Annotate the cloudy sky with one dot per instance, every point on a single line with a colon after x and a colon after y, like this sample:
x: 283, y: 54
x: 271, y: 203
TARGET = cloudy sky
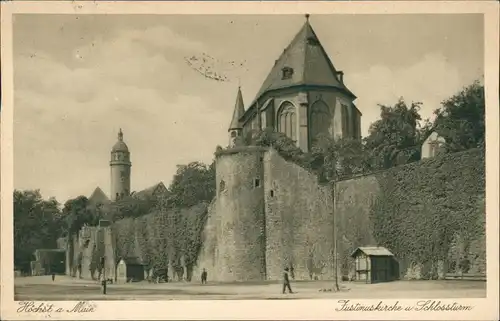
x: 78, y: 79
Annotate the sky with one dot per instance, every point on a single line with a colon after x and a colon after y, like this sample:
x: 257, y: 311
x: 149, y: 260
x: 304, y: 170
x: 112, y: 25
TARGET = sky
x: 78, y: 79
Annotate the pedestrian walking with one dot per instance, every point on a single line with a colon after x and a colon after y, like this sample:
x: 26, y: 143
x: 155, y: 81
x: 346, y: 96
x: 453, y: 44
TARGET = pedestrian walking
x: 286, y: 282
x: 204, y: 276
x: 53, y: 276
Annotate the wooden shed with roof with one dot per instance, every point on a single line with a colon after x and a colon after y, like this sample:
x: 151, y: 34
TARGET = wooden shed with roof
x: 130, y: 269
x: 374, y: 265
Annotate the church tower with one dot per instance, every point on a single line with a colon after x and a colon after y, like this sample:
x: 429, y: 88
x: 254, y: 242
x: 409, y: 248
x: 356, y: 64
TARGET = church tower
x: 120, y: 169
x: 235, y: 128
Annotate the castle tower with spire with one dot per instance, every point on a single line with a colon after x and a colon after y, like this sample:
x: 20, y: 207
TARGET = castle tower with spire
x: 235, y: 128
x: 303, y: 96
x: 120, y: 169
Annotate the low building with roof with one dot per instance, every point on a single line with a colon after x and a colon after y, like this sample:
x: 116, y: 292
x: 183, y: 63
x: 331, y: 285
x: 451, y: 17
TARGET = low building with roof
x: 432, y: 145
x: 130, y: 269
x: 374, y: 264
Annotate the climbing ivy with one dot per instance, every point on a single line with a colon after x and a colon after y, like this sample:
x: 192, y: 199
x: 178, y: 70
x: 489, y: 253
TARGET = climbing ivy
x: 162, y: 238
x: 422, y: 206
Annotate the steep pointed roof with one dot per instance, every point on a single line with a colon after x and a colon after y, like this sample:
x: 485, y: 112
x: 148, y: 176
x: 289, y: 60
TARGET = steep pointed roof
x: 309, y: 63
x: 98, y: 196
x: 239, y: 110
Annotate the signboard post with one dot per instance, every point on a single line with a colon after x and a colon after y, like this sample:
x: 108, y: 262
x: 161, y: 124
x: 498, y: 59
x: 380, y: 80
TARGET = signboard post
x: 104, y: 282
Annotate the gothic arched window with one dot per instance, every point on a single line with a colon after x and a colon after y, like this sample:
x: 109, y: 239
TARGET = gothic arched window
x: 320, y: 119
x: 354, y: 122
x: 287, y: 120
x: 345, y: 121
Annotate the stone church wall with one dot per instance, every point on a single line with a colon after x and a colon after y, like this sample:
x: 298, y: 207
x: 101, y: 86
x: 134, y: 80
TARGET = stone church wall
x: 333, y: 100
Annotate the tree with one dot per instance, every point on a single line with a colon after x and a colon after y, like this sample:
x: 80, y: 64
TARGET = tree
x: 394, y: 139
x: 333, y: 159
x: 192, y: 184
x: 78, y: 212
x: 131, y: 207
x: 37, y: 224
x: 285, y: 146
x: 460, y: 120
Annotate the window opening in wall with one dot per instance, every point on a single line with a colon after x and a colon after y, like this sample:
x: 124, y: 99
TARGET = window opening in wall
x: 222, y: 186
x: 320, y: 120
x: 345, y: 121
x: 262, y: 159
x: 287, y: 120
x: 287, y: 73
x: 257, y: 182
x: 272, y: 193
x: 313, y: 41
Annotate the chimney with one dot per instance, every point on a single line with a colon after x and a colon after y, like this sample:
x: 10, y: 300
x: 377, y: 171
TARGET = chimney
x: 340, y: 74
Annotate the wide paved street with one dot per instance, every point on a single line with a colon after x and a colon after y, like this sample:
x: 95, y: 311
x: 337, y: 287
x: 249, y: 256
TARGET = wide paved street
x: 65, y: 288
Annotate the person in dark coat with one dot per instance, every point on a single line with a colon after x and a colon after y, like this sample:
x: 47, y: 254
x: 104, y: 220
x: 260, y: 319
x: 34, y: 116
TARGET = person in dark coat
x: 53, y: 276
x: 286, y: 281
x: 204, y: 276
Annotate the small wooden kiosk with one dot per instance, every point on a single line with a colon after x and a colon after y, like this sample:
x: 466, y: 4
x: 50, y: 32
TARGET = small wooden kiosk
x: 374, y: 265
x: 129, y: 269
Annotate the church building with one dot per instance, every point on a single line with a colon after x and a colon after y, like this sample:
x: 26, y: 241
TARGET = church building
x: 303, y: 96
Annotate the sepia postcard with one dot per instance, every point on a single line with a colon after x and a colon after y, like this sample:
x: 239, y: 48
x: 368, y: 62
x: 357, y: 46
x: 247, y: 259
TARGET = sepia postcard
x: 249, y: 160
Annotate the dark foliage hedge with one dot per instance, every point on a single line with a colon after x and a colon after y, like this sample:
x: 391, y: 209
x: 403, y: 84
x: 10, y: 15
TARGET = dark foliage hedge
x: 162, y: 237
x: 423, y: 206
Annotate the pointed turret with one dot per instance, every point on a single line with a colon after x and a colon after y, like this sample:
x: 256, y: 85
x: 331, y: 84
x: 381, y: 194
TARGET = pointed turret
x: 239, y: 110
x: 235, y: 128
x: 303, y: 62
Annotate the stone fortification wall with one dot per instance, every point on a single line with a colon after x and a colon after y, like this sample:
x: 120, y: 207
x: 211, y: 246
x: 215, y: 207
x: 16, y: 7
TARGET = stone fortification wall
x: 299, y: 224
x: 354, y: 199
x: 269, y: 213
x: 239, y: 205
x: 208, y: 256
x: 91, y: 244
x: 430, y: 214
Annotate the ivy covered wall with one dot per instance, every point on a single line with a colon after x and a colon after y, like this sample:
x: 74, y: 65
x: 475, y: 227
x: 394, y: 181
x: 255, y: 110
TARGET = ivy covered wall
x: 166, y: 241
x: 429, y: 214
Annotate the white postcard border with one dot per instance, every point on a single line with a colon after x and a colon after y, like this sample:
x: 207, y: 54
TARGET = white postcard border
x: 252, y: 309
